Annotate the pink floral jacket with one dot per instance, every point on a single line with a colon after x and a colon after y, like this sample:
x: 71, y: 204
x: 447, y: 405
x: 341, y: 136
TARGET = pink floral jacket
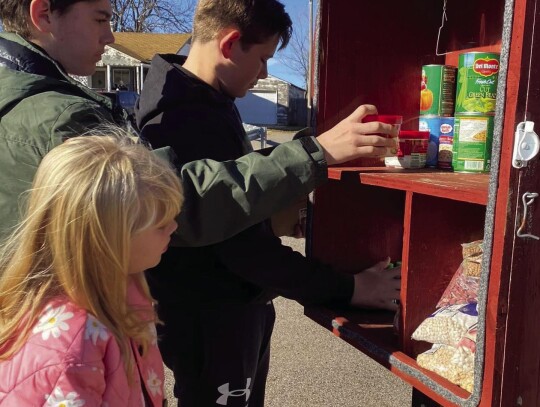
x: 71, y: 359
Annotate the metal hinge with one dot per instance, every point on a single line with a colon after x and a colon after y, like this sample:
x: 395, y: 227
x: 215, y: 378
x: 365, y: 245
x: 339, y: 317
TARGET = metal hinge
x: 526, y: 144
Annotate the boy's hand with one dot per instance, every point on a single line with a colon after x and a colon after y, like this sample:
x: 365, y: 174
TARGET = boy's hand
x: 377, y: 287
x: 351, y: 138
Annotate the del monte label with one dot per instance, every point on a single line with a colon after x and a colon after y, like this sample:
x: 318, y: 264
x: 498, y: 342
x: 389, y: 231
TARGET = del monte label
x: 486, y: 67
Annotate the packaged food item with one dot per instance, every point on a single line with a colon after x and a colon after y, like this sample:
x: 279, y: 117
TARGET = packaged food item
x: 477, y: 79
x: 454, y: 364
x: 444, y: 160
x: 473, y: 138
x: 469, y: 339
x: 472, y: 248
x: 462, y: 289
x: 395, y: 121
x: 472, y: 258
x: 437, y: 126
x: 412, y: 150
x: 448, y: 324
x: 437, y: 90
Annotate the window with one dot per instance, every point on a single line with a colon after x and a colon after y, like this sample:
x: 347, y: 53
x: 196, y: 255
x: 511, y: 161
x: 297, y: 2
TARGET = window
x: 121, y: 79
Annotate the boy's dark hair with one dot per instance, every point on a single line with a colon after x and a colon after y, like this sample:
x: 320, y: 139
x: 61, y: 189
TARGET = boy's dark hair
x: 15, y: 14
x: 257, y: 20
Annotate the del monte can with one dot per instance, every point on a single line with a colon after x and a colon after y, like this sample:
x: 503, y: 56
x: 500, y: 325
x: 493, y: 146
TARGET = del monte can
x: 478, y: 74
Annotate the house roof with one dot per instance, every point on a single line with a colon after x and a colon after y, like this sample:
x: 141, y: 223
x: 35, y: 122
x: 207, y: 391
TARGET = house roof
x: 143, y: 46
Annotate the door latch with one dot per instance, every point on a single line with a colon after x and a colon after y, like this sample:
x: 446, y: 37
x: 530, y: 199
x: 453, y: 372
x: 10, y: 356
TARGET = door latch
x: 526, y: 144
x: 527, y: 198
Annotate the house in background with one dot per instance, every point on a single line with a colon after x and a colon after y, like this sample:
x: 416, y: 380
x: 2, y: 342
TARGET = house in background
x: 274, y: 102
x: 125, y: 63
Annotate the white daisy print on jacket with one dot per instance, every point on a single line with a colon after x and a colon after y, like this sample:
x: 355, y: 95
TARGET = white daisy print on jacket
x: 52, y: 322
x: 57, y: 399
x: 153, y: 382
x: 153, y: 333
x: 95, y: 330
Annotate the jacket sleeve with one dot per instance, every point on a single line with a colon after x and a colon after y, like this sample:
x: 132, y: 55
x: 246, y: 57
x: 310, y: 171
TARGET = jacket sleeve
x: 80, y: 383
x: 248, y: 190
x: 261, y: 258
x: 224, y: 198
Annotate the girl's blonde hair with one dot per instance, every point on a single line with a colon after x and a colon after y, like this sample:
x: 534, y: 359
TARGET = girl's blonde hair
x: 89, y: 197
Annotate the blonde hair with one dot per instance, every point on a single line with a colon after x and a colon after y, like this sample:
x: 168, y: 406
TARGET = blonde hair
x: 89, y: 197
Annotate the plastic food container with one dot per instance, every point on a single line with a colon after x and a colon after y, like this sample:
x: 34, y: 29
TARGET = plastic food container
x: 394, y: 120
x: 412, y: 152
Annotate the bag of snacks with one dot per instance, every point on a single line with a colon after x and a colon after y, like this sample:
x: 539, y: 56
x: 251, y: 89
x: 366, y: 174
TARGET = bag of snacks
x: 454, y: 364
x: 461, y: 289
x: 448, y: 324
x: 472, y: 258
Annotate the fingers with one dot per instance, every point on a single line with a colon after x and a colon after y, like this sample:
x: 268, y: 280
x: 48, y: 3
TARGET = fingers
x: 361, y: 112
x: 377, y: 128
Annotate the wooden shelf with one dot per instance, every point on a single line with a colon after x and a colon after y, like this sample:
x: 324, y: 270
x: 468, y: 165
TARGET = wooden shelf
x: 372, y: 333
x: 466, y: 187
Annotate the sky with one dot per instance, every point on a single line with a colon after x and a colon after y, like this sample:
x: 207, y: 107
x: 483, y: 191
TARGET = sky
x: 294, y: 8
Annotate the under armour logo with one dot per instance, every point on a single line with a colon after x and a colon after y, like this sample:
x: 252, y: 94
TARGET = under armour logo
x: 226, y: 393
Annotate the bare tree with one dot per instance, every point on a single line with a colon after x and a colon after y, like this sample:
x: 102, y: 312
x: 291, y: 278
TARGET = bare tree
x: 152, y: 15
x: 296, y: 56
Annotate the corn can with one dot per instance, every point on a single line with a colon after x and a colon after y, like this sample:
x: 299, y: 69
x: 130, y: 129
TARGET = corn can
x: 438, y: 89
x: 478, y: 75
x: 473, y: 138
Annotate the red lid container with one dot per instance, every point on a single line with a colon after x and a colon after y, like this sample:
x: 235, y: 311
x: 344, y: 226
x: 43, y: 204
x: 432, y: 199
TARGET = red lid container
x: 413, y: 134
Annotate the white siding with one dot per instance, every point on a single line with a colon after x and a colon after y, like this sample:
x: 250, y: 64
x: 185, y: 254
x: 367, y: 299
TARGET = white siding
x: 258, y: 107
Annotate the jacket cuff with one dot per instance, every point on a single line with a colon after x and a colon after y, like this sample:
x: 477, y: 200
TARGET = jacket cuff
x: 316, y: 153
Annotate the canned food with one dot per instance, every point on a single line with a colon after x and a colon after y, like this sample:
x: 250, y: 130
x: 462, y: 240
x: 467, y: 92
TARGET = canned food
x: 438, y: 88
x: 473, y: 137
x: 478, y: 75
x: 412, y: 150
x: 437, y: 126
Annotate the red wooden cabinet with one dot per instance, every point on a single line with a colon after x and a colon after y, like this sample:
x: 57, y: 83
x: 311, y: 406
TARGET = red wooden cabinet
x: 372, y: 52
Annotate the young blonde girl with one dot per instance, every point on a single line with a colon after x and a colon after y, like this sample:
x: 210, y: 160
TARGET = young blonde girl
x: 76, y: 318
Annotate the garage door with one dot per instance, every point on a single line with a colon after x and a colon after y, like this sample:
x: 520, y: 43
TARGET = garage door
x: 258, y: 107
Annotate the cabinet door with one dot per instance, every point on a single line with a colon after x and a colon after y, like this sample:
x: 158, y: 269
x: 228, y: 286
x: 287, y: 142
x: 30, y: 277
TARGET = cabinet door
x: 519, y: 302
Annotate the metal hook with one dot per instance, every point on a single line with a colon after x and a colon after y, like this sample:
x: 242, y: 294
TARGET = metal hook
x: 443, y: 19
x: 527, y: 198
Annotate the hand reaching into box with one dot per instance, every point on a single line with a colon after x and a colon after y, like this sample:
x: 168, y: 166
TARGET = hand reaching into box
x: 377, y: 287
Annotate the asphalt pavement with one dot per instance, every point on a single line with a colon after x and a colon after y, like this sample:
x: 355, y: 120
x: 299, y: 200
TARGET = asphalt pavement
x: 310, y: 367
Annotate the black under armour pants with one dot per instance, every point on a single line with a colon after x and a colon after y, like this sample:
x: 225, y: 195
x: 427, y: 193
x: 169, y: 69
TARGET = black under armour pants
x: 220, y: 356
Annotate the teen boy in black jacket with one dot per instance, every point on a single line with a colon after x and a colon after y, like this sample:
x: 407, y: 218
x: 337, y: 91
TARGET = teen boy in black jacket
x: 215, y: 301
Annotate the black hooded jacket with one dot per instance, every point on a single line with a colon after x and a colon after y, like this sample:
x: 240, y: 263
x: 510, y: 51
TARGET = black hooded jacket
x: 179, y: 110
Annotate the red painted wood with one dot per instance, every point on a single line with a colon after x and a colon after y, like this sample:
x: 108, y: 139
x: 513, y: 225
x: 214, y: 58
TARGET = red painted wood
x: 379, y: 341
x: 356, y: 225
x: 420, y: 202
x: 459, y: 186
x: 521, y: 357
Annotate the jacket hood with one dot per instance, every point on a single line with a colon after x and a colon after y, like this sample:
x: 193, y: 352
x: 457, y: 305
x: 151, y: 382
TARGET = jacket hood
x: 166, y: 87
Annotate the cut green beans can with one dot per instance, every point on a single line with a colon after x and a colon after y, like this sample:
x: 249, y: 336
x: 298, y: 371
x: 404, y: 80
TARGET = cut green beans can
x: 478, y: 74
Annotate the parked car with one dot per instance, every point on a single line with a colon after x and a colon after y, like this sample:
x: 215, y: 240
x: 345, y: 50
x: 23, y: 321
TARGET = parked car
x: 124, y: 99
x: 256, y: 132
